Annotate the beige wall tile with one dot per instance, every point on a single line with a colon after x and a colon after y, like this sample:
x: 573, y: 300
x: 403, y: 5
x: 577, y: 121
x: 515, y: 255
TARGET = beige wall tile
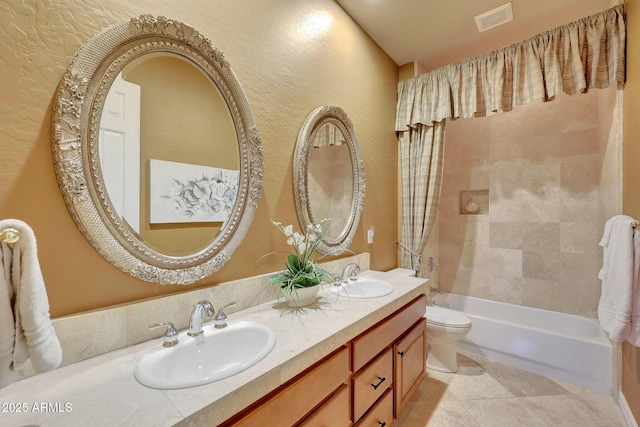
x: 548, y: 198
x: 506, y: 235
x: 541, y: 236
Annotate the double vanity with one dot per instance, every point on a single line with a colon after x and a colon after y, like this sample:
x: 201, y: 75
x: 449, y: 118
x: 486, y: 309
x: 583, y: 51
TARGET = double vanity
x: 326, y: 360
x: 351, y: 357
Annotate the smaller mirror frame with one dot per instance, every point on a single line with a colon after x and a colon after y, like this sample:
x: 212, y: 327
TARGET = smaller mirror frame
x: 319, y: 117
x: 75, y: 129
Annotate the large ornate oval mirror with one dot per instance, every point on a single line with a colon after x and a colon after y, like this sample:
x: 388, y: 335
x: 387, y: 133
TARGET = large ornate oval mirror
x: 156, y: 150
x: 328, y: 177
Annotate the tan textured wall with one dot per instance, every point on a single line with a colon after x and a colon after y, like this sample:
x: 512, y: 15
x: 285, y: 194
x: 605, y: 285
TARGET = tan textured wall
x: 285, y: 77
x: 538, y: 243
x: 631, y: 201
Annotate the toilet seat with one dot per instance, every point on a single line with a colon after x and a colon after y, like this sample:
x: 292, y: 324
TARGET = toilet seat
x: 439, y: 316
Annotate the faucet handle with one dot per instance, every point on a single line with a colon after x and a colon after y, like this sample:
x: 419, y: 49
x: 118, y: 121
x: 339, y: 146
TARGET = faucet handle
x: 221, y: 317
x: 171, y: 336
x: 336, y: 279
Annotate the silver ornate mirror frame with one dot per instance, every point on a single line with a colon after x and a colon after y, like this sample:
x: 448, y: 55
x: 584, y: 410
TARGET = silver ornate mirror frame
x: 319, y: 117
x: 75, y: 122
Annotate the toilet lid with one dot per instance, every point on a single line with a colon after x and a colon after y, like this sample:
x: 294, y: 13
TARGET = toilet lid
x: 446, y: 317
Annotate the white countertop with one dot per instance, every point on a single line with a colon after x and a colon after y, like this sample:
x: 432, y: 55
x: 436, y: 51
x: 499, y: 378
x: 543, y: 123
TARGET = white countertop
x: 102, y: 391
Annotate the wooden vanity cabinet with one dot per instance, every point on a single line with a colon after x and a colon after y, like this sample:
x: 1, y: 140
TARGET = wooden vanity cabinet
x: 389, y: 356
x: 319, y: 396
x: 366, y: 382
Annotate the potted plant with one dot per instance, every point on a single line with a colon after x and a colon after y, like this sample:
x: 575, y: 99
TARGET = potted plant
x: 300, y: 281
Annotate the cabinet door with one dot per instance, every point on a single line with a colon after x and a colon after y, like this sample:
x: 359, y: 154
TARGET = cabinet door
x: 410, y: 358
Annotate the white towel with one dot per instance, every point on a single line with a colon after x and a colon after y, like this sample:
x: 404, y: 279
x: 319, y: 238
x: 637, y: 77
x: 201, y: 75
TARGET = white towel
x: 617, y: 275
x: 634, y: 332
x: 34, y: 337
x: 7, y: 321
x: 604, y: 242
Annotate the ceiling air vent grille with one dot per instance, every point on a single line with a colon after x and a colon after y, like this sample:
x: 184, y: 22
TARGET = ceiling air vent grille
x: 494, y: 17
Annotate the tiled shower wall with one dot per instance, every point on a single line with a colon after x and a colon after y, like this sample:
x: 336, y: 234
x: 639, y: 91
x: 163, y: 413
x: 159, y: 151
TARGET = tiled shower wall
x: 542, y: 165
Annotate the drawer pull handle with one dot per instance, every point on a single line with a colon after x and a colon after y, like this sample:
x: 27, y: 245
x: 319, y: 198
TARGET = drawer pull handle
x: 382, y: 423
x: 401, y: 353
x: 375, y: 386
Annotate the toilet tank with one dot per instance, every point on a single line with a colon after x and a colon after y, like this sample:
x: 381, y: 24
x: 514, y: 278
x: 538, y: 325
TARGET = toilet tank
x: 403, y: 272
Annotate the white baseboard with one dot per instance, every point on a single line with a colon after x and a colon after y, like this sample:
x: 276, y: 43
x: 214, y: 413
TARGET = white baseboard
x: 626, y: 412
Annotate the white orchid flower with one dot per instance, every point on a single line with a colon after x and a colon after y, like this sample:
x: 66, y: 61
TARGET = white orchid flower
x: 295, y: 239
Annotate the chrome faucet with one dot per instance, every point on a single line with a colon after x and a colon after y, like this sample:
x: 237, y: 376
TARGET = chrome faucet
x: 346, y: 276
x: 195, y: 322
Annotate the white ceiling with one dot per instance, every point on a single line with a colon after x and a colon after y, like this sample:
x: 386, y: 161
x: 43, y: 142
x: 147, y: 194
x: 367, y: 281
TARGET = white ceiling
x: 435, y: 33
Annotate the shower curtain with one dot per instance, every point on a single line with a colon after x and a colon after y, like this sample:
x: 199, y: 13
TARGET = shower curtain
x: 588, y: 53
x: 421, y: 162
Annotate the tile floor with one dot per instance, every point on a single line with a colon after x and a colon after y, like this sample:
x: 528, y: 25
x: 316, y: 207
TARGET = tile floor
x: 484, y: 393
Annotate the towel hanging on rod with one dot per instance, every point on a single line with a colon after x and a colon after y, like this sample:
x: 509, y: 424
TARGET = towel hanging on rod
x: 26, y: 331
x: 618, y: 310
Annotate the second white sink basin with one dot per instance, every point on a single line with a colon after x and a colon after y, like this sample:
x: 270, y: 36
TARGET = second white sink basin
x: 212, y: 356
x: 363, y: 288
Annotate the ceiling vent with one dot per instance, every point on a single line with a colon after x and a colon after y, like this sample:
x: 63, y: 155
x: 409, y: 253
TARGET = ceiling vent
x: 494, y: 17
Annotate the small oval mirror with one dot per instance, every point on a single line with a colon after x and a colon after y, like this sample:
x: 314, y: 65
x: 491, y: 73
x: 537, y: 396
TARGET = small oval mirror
x: 328, y: 176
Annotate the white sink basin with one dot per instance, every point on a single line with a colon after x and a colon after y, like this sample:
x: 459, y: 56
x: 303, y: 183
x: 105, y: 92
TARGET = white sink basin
x: 363, y: 288
x: 212, y: 356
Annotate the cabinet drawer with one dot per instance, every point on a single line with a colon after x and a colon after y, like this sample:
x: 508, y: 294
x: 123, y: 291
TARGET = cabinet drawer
x: 295, y: 400
x: 410, y: 355
x: 370, y: 383
x: 372, y: 342
x: 335, y: 412
x: 381, y: 414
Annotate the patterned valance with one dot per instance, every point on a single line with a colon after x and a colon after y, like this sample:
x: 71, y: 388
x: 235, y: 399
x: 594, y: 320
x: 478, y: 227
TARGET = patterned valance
x: 589, y: 53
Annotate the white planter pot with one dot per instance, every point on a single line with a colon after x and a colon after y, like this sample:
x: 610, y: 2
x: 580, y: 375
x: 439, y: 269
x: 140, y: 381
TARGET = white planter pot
x: 302, y: 296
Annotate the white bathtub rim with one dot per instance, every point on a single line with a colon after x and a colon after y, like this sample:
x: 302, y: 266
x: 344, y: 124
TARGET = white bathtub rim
x: 600, y: 337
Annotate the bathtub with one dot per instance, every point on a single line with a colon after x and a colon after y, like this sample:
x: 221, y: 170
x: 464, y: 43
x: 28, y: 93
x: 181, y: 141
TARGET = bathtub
x: 563, y: 346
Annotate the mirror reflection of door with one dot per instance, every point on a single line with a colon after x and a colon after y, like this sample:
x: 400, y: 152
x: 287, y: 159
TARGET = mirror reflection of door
x: 120, y: 149
x: 330, y: 179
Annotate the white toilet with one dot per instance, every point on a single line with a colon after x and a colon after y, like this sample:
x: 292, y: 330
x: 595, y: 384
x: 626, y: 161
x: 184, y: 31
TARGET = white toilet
x: 445, y: 327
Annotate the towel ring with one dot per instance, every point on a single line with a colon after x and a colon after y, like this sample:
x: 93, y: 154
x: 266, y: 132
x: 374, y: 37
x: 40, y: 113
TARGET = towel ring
x: 9, y: 235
